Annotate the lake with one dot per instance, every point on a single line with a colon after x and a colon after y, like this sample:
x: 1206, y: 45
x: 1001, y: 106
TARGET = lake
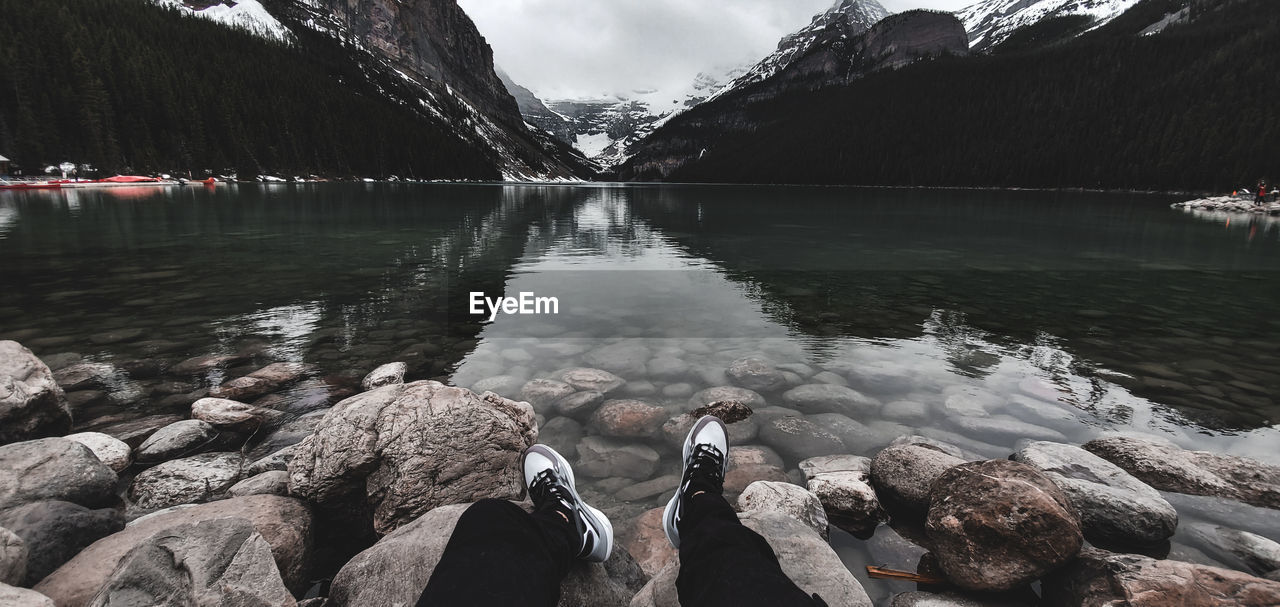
x: 1039, y: 314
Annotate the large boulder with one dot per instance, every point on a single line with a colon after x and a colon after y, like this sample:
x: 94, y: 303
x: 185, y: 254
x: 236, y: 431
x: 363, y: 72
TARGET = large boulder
x: 31, y: 403
x: 177, y: 440
x: 223, y: 562
x: 1000, y: 524
x: 408, y: 448
x: 1102, y: 578
x: 1114, y: 507
x: 286, y: 524
x: 1237, y: 549
x: 111, y: 451
x: 904, y: 473
x: 843, y: 486
x: 233, y: 415
x: 785, y: 498
x: 54, y: 531
x: 13, y: 557
x: 806, y: 558
x: 190, y: 480
x: 396, y: 569
x: 54, y: 469
x: 21, y: 597
x: 1167, y: 467
x: 647, y: 542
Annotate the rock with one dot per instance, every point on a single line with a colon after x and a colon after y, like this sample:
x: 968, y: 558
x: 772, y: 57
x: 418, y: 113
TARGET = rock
x: 750, y: 464
x: 275, y: 461
x: 1273, y: 576
x: 798, y: 438
x: 220, y: 562
x: 263, y: 381
x: 85, y: 376
x: 756, y: 374
x: 594, y: 380
x: 1167, y: 467
x: 176, y: 440
x: 603, y: 457
x: 785, y: 498
x: 1114, y: 507
x: 232, y: 415
x: 626, y: 358
x: 856, y: 436
x: 667, y: 369
x: 649, y: 488
x: 705, y: 397
x: 906, y: 411
x: 275, y: 482
x: 32, y: 405
x: 1004, y: 431
x: 286, y: 525
x: 949, y: 599
x: 842, y: 484
x: 385, y: 375
x: 21, y: 597
x: 395, y: 570
x: 109, y: 450
x: 202, y: 364
x: 13, y: 557
x: 53, y: 469
x: 936, y: 445
x: 830, y: 398
x: 408, y: 448
x: 647, y: 542
x: 190, y: 480
x: 999, y: 524
x: 561, y: 434
x: 506, y: 386
x: 132, y: 431
x: 628, y: 419
x: 681, y: 390
x: 729, y: 411
x: 55, y: 531
x: 904, y: 473
x: 543, y: 393
x: 1102, y: 578
x: 579, y: 405
x: 1237, y: 549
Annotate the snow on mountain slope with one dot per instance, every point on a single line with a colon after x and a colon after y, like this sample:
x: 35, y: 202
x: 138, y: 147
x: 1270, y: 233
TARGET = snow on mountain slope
x: 244, y: 14
x: 854, y: 16
x: 991, y: 21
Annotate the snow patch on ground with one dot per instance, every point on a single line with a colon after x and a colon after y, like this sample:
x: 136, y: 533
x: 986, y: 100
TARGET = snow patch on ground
x: 593, y: 145
x: 248, y: 15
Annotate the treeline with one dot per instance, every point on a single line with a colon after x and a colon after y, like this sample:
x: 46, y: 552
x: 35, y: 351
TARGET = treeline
x: 128, y: 86
x: 1193, y: 107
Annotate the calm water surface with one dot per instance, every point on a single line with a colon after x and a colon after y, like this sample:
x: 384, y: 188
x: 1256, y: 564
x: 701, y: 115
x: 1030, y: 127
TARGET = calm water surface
x: 1076, y: 313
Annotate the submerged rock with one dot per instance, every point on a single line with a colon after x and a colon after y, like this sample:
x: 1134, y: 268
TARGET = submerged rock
x: 1168, y: 467
x: 647, y: 542
x: 830, y: 398
x: 176, y: 440
x: 595, y: 380
x: 628, y: 419
x: 750, y: 464
x: 603, y: 457
x: 1113, y: 506
x: 54, y: 469
x: 755, y: 374
x: 232, y: 415
x: 408, y: 448
x: 32, y: 405
x: 579, y: 405
x: 222, y: 562
x: 999, y: 524
x: 395, y: 570
x: 1102, y: 578
x: 544, y: 393
x: 702, y: 398
x: 1237, y: 549
x: 286, y: 525
x: 263, y: 381
x: 798, y: 438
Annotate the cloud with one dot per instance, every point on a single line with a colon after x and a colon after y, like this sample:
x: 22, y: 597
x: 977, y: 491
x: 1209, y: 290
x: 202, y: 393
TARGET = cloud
x: 572, y: 48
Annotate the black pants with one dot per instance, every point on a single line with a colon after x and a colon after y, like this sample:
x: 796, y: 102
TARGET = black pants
x: 500, y: 555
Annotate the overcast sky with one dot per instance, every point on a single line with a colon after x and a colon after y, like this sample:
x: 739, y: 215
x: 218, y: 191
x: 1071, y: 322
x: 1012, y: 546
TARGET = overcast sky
x: 580, y: 48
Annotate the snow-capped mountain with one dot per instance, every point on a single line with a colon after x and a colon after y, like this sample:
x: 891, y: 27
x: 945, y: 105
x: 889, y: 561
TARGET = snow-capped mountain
x: 244, y: 14
x: 991, y: 21
x: 845, y: 19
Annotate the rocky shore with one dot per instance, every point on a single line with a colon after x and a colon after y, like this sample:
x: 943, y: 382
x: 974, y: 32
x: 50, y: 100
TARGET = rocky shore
x: 1235, y: 204
x: 261, y: 493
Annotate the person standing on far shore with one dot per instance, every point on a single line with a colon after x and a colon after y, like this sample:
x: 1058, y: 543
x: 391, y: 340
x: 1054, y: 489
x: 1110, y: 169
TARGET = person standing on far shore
x: 1261, y: 198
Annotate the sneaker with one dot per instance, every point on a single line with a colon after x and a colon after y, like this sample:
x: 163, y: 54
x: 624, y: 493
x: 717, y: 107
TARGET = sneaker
x: 550, y: 481
x: 705, y: 464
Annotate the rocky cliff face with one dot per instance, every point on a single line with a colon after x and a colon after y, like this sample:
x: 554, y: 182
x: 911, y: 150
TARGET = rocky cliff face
x: 536, y: 112
x: 989, y: 22
x: 832, y: 58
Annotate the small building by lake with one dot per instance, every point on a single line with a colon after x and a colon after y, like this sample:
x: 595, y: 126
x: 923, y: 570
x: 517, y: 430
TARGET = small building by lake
x: 4, y: 165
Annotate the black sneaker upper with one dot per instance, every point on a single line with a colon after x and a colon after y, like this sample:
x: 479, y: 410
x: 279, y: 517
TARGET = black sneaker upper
x: 705, y: 471
x: 548, y: 492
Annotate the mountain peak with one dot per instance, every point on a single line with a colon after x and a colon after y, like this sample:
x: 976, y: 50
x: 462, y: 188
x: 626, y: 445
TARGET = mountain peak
x: 991, y: 21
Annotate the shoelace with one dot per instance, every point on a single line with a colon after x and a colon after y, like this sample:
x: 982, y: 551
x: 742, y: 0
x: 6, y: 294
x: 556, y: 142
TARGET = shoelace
x: 547, y: 485
x: 708, y: 460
